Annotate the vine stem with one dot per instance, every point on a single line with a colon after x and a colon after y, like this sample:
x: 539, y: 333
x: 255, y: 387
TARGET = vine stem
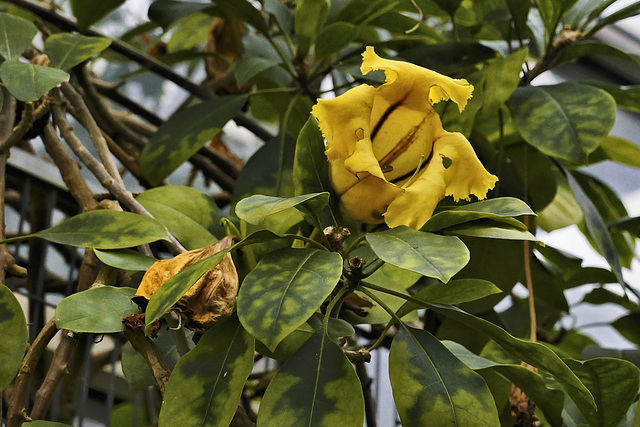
x: 533, y: 323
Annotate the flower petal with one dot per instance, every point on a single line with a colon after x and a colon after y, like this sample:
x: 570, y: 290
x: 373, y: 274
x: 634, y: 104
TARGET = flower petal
x: 418, y: 201
x: 465, y: 175
x: 438, y: 87
x: 368, y: 199
x: 349, y: 111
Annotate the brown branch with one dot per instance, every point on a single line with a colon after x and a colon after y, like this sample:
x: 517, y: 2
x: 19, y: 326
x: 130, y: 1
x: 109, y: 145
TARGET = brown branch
x: 152, y: 355
x: 16, y: 411
x: 57, y: 370
x: 118, y: 191
x: 369, y: 400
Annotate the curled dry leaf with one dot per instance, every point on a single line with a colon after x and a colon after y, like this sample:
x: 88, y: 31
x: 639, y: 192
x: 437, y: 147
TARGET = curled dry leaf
x: 210, y: 299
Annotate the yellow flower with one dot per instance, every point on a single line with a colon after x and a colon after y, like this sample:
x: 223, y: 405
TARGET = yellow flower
x: 390, y: 159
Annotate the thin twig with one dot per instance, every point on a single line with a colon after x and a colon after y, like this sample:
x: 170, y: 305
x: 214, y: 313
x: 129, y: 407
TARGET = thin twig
x: 15, y: 414
x: 118, y: 191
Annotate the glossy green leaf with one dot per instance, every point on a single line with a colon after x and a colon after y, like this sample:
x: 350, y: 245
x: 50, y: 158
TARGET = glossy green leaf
x: 190, y: 33
x: 309, y: 19
x: 127, y: 414
x: 449, y: 6
x: 184, y: 134
x: 173, y: 289
x: 628, y: 11
x: 88, y: 13
x: 13, y: 327
x: 103, y: 229
x: 425, y: 253
x: 166, y: 12
x: 136, y: 370
x: 29, y: 82
x: 246, y: 12
x: 500, y: 209
x: 190, y: 215
x: 548, y: 400
x: 488, y: 230
x: 433, y: 387
x: 333, y: 38
x: 97, y: 310
x: 317, y: 386
x: 258, y: 209
x: 535, y: 354
x: 125, y: 259
x: 631, y: 224
x: 610, y: 208
x: 568, y: 120
x: 618, y: 150
x: 455, y: 292
x: 206, y: 384
x: 284, y: 290
x: 446, y: 58
x: 519, y: 10
x: 602, y: 295
x: 268, y: 171
x: 627, y: 97
x: 250, y: 66
x: 592, y: 351
x: 16, y: 35
x: 502, y: 79
x: 629, y: 327
x: 583, y: 48
x: 311, y: 168
x: 66, y: 50
x: 596, y: 226
x: 614, y: 384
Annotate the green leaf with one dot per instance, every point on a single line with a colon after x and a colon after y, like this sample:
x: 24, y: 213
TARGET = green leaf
x: 455, y: 292
x: 547, y: 399
x: 284, y: 290
x: 618, y: 150
x: 629, y: 327
x: 602, y: 295
x: 97, y: 310
x: 257, y: 209
x: 103, y: 229
x: 66, y: 50
x: 184, y: 134
x: 519, y: 10
x: 488, y: 230
x: 499, y: 209
x: 125, y: 259
x: 614, y: 384
x: 136, y: 370
x: 502, y: 79
x: 631, y: 224
x: 535, y: 354
x: 250, y: 66
x: 173, y: 289
x: 583, y: 48
x: 317, y: 386
x: 626, y: 12
x: 596, y: 227
x: 268, y: 171
x: 191, y: 32
x: 627, y: 97
x: 88, y: 13
x: 568, y: 120
x: 425, y: 253
x: 166, y: 12
x: 246, y: 12
x: 309, y: 19
x: 432, y: 387
x: 13, y: 327
x: 29, y: 82
x: 449, y: 6
x: 16, y: 35
x: 206, y: 384
x: 190, y: 215
x: 127, y: 414
x: 333, y: 38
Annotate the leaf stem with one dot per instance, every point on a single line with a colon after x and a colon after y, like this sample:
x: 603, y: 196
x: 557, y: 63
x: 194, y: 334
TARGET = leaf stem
x: 394, y: 293
x: 332, y: 304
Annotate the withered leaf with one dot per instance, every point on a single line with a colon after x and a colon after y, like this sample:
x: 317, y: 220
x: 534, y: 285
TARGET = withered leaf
x: 210, y: 299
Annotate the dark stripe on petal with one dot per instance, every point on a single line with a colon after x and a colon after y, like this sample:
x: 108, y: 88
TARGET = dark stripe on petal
x: 425, y: 163
x: 404, y: 143
x: 384, y: 118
